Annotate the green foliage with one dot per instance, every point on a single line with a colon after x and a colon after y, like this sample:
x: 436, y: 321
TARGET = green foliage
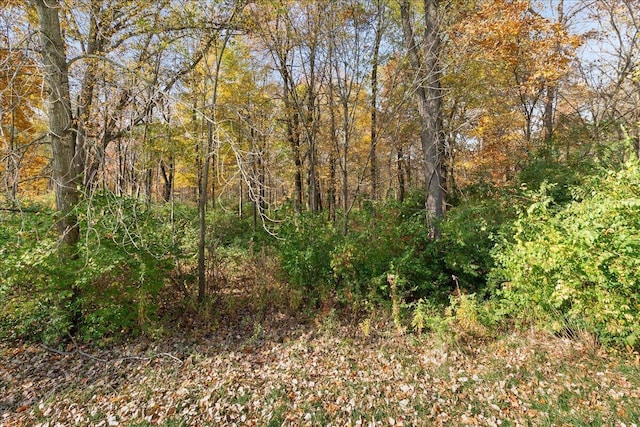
x: 563, y: 177
x: 580, y: 261
x: 465, y: 318
x: 229, y: 229
x: 468, y: 234
x: 35, y: 302
x: 471, y: 315
x: 304, y: 246
x: 384, y: 238
x: 419, y: 259
x: 428, y: 317
x: 107, y: 287
x: 127, y: 251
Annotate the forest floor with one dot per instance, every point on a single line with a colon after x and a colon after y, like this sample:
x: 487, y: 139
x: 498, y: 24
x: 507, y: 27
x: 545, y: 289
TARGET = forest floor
x: 279, y: 371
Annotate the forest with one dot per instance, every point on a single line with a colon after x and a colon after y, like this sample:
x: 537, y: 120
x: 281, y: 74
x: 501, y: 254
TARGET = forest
x: 235, y: 212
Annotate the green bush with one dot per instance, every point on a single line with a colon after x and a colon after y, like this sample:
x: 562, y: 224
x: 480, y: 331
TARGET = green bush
x: 35, y: 303
x: 304, y: 245
x: 228, y: 229
x: 560, y: 179
x: 384, y: 238
x: 469, y: 233
x: 362, y: 260
x: 107, y: 287
x: 579, y: 262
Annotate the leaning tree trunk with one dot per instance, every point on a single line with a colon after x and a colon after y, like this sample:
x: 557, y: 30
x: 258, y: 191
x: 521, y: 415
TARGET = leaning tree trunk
x: 61, y: 132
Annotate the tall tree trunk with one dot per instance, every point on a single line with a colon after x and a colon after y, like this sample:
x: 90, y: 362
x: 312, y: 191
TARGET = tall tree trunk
x: 311, y: 133
x: 346, y: 135
x: 12, y: 166
x: 310, y: 118
x: 294, y: 138
x: 374, y: 100
x: 293, y: 134
x: 95, y: 45
x: 207, y: 153
x: 426, y: 67
x: 61, y: 133
x: 551, y: 95
x: 331, y: 193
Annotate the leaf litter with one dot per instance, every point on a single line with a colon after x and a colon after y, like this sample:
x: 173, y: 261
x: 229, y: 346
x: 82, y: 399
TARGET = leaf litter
x: 296, y: 374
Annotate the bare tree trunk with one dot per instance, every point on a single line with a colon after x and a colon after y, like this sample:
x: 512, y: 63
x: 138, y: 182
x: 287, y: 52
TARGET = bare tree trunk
x: 374, y: 100
x: 61, y: 133
x: 311, y: 134
x: 294, y: 129
x: 401, y: 180
x: 167, y: 171
x: 206, y: 159
x: 331, y: 194
x: 293, y: 135
x: 550, y: 97
x: 12, y: 166
x: 95, y: 46
x: 202, y: 197
x: 426, y: 68
x: 240, y: 197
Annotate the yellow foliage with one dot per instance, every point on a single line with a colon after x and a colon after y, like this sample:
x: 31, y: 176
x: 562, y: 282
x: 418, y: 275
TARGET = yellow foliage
x: 504, y: 58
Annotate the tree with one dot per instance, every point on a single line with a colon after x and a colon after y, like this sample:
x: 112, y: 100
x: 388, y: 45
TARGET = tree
x: 506, y: 67
x: 347, y: 59
x: 607, y: 101
x: 21, y: 149
x: 208, y: 148
x: 375, y: 63
x: 271, y: 24
x: 425, y: 65
x: 61, y: 132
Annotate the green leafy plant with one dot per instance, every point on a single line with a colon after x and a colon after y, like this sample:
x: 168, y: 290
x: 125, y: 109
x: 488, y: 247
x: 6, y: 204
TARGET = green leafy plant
x: 580, y: 260
x: 304, y: 246
x: 107, y: 287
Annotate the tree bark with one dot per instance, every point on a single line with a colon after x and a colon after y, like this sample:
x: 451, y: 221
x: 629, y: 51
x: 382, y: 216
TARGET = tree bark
x: 401, y: 181
x: 61, y: 133
x: 374, y: 101
x: 551, y: 95
x: 426, y: 67
x: 207, y: 154
x: 167, y: 171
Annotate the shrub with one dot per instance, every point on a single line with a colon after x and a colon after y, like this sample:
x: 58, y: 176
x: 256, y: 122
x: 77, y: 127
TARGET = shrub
x: 580, y: 261
x: 106, y: 288
x: 469, y: 233
x: 304, y: 246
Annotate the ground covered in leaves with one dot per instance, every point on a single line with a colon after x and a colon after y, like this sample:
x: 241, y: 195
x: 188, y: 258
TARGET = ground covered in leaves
x: 280, y: 372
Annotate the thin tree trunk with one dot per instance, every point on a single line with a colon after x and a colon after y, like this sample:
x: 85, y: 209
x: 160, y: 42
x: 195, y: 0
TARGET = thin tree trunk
x: 345, y: 170
x: 374, y: 101
x: 167, y: 173
x: 206, y: 159
x: 293, y: 135
x: 551, y: 95
x: 12, y: 167
x: 401, y: 180
x: 332, y: 155
x: 95, y: 46
x: 311, y: 127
